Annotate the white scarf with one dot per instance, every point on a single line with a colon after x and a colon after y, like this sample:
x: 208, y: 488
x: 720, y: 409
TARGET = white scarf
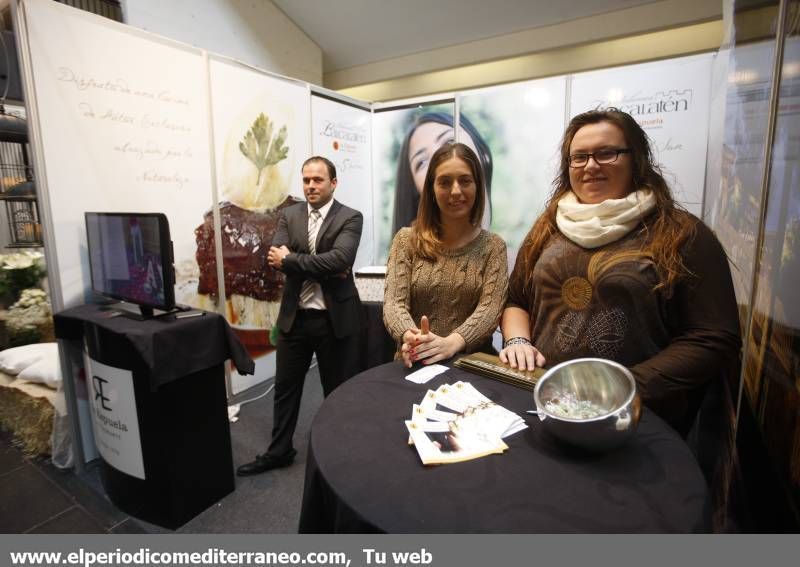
x: 592, y: 226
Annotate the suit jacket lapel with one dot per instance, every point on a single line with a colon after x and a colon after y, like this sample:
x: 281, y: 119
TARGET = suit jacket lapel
x: 302, y: 227
x: 327, y: 222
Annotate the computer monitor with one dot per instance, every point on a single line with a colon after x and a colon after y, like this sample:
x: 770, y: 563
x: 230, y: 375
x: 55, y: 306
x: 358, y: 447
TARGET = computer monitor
x: 130, y: 258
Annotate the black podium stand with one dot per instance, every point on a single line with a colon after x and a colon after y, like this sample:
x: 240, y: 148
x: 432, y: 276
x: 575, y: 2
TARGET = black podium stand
x: 166, y: 454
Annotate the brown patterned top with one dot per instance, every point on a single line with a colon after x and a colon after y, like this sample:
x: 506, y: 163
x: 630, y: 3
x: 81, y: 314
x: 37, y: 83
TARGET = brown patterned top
x: 463, y: 291
x: 600, y: 303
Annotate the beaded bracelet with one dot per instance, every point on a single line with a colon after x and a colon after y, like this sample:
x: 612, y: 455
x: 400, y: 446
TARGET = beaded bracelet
x: 517, y: 341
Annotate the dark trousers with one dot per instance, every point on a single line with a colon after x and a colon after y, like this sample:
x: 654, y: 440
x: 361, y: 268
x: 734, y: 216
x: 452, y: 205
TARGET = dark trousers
x: 338, y: 360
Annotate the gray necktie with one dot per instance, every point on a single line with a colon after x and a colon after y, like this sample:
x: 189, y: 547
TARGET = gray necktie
x: 314, y: 222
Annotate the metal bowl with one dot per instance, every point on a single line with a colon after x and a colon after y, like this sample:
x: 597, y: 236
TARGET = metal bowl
x: 590, y: 403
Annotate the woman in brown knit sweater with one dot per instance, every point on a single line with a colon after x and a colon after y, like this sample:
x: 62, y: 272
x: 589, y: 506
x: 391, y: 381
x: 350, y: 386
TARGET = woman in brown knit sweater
x: 445, y: 267
x: 614, y: 269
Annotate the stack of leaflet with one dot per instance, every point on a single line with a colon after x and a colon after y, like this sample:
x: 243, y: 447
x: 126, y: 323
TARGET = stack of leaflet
x: 457, y: 423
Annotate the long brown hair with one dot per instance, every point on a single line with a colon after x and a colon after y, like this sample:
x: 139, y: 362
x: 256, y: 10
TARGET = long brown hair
x: 668, y: 228
x: 426, y: 238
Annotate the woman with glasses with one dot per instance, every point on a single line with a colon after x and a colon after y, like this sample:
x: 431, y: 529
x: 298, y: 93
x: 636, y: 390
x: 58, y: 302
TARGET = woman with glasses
x: 446, y: 268
x: 615, y: 269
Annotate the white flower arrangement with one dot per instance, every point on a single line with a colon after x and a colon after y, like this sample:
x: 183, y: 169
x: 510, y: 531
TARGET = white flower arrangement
x: 21, y: 260
x: 32, y: 297
x: 19, y: 271
x: 29, y: 314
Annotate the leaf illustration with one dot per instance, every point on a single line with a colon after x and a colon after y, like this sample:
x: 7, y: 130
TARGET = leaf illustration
x: 260, y: 148
x: 278, y: 151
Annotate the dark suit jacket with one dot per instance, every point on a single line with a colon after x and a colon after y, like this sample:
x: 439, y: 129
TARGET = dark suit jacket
x: 337, y: 244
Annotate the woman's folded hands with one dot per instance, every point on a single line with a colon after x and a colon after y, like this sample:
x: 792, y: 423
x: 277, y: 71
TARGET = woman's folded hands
x: 420, y: 344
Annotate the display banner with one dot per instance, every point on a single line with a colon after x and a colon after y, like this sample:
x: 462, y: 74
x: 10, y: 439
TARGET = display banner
x: 123, y: 127
x: 520, y: 126
x: 343, y: 134
x: 735, y: 176
x: 735, y: 209
x: 720, y: 71
x: 115, y: 421
x: 261, y: 127
x: 404, y: 140
x: 670, y: 100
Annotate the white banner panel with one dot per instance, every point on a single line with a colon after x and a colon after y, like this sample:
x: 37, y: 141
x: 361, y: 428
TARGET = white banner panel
x: 239, y: 96
x: 114, y: 418
x: 261, y: 138
x: 670, y: 101
x: 397, y: 179
x: 342, y: 133
x: 521, y: 124
x: 123, y: 124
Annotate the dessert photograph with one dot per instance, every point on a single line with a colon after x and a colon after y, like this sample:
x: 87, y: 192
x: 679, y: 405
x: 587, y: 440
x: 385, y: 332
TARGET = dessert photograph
x: 256, y: 170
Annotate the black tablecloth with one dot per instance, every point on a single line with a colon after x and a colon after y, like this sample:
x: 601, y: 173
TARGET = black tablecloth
x: 167, y: 348
x: 363, y: 477
x: 377, y: 345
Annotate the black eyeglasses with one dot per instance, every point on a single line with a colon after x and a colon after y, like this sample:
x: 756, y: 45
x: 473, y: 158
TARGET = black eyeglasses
x: 604, y: 156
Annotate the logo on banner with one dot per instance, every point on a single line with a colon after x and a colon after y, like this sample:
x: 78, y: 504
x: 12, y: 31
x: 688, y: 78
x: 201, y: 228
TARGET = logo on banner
x: 346, y: 132
x: 98, y: 384
x: 114, y: 418
x: 346, y: 138
x: 658, y: 103
x: 647, y: 108
x: 103, y: 401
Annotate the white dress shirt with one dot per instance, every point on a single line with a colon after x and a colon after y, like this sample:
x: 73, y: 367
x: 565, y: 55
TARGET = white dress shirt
x: 317, y: 301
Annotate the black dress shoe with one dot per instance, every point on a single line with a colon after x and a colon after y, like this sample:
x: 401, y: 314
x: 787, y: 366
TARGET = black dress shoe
x: 264, y: 463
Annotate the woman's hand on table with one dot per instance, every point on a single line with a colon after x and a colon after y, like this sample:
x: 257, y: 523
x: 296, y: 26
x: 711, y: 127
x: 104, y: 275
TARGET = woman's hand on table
x: 409, y: 339
x: 522, y: 356
x: 422, y: 345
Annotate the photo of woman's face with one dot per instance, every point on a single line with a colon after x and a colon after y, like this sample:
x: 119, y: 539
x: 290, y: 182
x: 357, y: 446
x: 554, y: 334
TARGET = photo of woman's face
x: 425, y: 140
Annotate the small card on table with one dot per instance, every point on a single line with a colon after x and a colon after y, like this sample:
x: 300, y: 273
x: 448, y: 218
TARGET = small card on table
x: 425, y: 375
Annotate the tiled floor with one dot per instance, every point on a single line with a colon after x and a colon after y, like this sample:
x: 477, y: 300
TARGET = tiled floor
x: 36, y: 497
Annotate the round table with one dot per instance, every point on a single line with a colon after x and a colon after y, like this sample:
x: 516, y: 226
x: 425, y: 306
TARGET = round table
x: 363, y: 477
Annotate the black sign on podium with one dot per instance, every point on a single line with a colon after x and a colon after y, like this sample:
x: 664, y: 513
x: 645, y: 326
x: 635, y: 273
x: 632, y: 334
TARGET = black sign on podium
x: 156, y: 390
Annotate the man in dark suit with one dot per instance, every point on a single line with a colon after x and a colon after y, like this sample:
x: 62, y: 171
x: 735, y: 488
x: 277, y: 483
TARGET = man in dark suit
x: 314, y: 246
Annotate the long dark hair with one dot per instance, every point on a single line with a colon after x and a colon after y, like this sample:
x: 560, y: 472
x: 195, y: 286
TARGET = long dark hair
x: 427, y: 231
x: 669, y: 226
x: 406, y: 196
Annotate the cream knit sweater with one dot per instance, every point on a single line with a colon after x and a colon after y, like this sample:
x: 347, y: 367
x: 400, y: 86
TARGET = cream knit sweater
x: 463, y: 291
